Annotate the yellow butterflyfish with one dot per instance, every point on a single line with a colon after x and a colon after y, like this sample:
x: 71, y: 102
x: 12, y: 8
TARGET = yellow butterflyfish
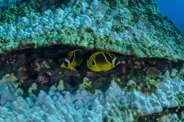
x: 102, y: 61
x: 73, y: 60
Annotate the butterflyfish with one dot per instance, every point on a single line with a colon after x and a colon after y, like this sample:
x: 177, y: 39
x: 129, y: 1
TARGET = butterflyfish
x: 102, y: 61
x: 74, y: 59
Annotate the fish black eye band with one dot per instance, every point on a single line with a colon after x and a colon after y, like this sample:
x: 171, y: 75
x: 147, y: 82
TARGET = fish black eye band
x: 66, y: 62
x: 116, y: 61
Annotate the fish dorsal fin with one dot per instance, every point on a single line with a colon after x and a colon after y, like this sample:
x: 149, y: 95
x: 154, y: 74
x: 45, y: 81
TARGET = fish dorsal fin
x: 70, y: 55
x: 73, y: 58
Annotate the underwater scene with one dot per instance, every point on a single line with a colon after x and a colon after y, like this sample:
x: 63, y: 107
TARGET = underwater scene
x: 91, y: 61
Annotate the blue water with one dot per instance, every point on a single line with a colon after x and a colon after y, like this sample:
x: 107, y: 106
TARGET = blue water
x: 174, y: 9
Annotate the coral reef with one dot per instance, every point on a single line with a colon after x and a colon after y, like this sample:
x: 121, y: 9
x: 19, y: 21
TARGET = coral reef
x: 37, y: 35
x: 5, y: 4
x: 82, y: 23
x: 113, y: 104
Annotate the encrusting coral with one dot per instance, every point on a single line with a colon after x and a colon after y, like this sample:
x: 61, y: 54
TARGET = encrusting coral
x: 38, y: 44
x: 142, y: 36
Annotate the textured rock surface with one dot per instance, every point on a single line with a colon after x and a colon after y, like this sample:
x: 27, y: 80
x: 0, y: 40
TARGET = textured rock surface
x: 115, y: 104
x: 134, y: 27
x: 33, y: 86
